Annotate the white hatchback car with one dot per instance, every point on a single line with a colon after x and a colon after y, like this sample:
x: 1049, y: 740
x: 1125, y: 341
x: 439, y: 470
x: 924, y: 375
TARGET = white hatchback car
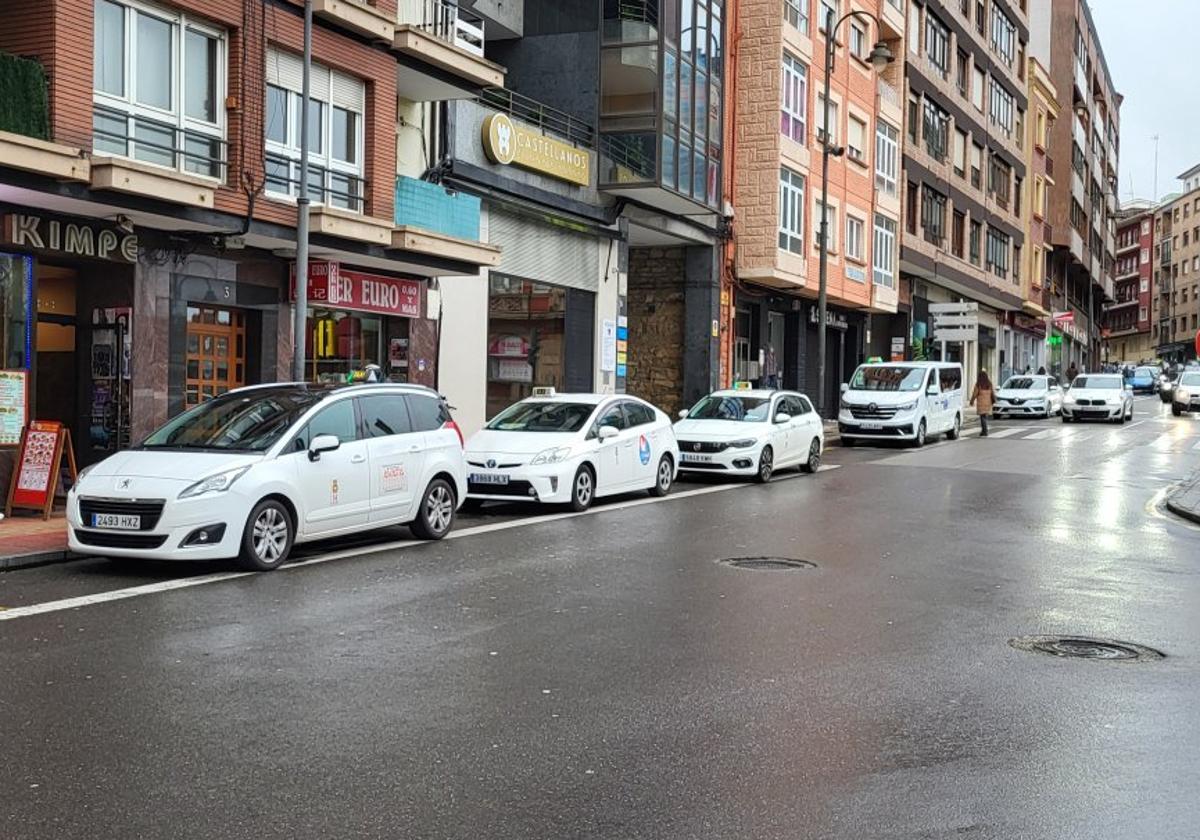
x: 252, y: 472
x: 750, y: 433
x: 1098, y: 396
x: 1028, y: 396
x: 572, y: 448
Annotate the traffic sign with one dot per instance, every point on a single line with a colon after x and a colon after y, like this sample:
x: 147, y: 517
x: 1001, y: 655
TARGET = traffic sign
x: 962, y: 334
x: 963, y: 306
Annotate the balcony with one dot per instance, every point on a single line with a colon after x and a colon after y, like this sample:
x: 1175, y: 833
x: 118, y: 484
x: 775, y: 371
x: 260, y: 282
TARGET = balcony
x: 440, y: 51
x: 1082, y: 88
x: 29, y: 154
x: 1076, y: 245
x: 357, y: 16
x: 438, y: 222
x: 140, y: 156
x: 888, y: 94
x: 1078, y: 190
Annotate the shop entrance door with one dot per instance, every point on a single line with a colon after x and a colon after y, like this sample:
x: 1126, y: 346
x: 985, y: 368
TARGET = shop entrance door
x: 216, y: 353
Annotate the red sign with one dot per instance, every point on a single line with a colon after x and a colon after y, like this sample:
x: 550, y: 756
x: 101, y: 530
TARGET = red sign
x: 35, y: 477
x: 1198, y: 344
x: 341, y: 288
x: 1064, y: 317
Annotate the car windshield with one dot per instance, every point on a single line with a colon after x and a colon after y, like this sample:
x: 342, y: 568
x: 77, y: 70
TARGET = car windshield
x: 1190, y: 379
x: 1025, y: 383
x: 725, y: 407
x: 542, y: 417
x: 252, y: 421
x: 1110, y: 383
x: 1144, y: 373
x: 888, y: 378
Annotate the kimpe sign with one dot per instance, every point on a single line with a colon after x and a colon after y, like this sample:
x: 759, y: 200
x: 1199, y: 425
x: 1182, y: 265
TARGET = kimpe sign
x: 24, y: 230
x: 339, y: 288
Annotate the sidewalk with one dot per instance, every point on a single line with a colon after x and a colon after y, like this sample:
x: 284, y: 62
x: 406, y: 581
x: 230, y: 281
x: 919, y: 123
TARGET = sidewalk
x: 832, y: 438
x: 30, y: 541
x: 1184, y: 500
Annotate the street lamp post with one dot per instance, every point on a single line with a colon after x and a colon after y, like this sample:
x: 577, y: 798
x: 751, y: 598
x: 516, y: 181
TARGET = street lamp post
x: 880, y: 57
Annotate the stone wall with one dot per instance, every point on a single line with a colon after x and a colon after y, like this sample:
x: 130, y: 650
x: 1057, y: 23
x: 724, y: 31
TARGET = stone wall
x: 656, y: 326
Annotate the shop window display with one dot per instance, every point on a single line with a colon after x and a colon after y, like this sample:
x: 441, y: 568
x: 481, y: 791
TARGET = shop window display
x: 526, y: 327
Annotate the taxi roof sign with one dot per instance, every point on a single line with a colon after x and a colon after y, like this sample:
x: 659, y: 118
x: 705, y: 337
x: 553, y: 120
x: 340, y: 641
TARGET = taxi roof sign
x: 543, y: 391
x: 742, y: 385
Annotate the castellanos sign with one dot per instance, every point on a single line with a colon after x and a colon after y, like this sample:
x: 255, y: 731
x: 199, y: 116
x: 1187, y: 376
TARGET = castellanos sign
x: 505, y: 142
x: 24, y: 230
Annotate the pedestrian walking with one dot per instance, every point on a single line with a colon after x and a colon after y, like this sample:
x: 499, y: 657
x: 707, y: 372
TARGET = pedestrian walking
x: 983, y: 397
x: 1072, y: 372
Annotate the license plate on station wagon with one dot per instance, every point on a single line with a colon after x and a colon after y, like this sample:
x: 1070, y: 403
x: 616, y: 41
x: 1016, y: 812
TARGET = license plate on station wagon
x: 488, y: 478
x: 697, y: 459
x: 117, y: 521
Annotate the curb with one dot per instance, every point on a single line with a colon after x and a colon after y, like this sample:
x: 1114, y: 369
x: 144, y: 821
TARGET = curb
x: 1183, y: 512
x: 37, y: 558
x: 1188, y: 512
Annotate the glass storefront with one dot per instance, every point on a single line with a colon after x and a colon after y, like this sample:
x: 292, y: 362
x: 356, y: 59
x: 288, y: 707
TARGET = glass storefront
x: 341, y: 343
x: 526, y: 336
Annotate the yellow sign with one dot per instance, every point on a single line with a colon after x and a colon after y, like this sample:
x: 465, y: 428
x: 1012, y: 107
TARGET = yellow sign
x: 507, y: 142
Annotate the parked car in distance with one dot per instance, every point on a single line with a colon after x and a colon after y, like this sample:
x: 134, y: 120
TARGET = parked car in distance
x: 1098, y: 396
x: 1143, y: 380
x: 1186, y: 395
x: 750, y: 433
x: 571, y: 449
x: 907, y: 401
x: 251, y: 473
x: 1028, y: 396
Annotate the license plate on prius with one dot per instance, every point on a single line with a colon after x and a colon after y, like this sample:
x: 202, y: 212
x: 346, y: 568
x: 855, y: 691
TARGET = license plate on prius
x: 695, y: 459
x: 488, y: 478
x: 117, y: 521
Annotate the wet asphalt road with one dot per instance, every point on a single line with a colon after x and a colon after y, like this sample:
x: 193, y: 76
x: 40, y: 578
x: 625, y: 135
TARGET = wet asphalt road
x: 603, y: 676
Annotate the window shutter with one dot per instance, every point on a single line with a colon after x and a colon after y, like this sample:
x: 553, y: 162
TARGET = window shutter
x: 349, y: 92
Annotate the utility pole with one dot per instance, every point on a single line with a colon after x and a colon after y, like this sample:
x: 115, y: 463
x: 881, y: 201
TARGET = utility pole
x: 300, y: 327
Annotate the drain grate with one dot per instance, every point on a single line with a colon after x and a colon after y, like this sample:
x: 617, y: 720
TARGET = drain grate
x: 1081, y: 647
x: 777, y: 564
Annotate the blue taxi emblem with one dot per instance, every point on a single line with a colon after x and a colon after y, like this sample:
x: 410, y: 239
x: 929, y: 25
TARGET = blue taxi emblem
x: 644, y: 450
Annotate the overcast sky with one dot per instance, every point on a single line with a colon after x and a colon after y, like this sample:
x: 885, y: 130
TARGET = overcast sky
x: 1158, y: 78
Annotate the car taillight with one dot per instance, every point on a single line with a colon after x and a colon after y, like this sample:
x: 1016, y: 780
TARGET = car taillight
x: 450, y: 424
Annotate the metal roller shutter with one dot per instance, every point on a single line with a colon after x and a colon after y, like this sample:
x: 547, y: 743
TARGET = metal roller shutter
x: 543, y: 252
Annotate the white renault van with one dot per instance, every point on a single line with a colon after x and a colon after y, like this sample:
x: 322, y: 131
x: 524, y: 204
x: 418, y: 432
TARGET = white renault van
x: 910, y: 401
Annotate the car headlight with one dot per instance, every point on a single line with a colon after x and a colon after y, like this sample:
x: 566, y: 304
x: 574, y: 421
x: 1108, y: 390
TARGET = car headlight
x: 82, y: 474
x: 1183, y: 393
x: 218, y: 483
x: 745, y: 443
x: 908, y: 406
x: 552, y: 455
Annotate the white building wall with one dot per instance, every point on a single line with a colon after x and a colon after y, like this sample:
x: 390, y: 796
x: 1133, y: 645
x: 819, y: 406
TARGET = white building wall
x: 462, y: 361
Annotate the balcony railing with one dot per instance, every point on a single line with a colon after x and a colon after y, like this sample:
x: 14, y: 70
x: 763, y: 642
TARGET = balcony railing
x: 542, y: 116
x: 163, y: 144
x: 888, y: 94
x: 1049, y: 166
x: 325, y: 186
x: 446, y: 22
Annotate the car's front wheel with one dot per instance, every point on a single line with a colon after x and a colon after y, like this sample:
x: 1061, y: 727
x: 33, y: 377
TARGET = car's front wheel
x: 268, y: 537
x: 435, y: 517
x: 766, y: 465
x: 583, y: 489
x: 919, y: 440
x: 664, y: 477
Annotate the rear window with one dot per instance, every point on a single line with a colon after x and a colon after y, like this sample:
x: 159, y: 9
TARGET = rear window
x: 385, y: 415
x: 427, y: 412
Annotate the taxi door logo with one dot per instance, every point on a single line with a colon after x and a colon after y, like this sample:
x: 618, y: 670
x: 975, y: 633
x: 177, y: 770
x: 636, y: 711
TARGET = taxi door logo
x: 644, y: 450
x: 333, y: 492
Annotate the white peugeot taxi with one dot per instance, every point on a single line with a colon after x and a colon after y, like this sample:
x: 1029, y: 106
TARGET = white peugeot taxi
x: 1098, y: 396
x: 750, y: 433
x: 254, y: 471
x: 1028, y: 396
x: 570, y: 449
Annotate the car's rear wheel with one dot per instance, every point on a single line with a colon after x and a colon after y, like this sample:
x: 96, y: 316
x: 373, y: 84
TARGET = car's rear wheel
x: 814, y: 457
x: 268, y: 537
x: 435, y: 517
x: 664, y: 477
x: 766, y: 465
x: 583, y: 489
x: 956, y: 430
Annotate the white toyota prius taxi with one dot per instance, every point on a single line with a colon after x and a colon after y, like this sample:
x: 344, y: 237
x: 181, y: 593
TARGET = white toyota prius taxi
x: 572, y: 448
x: 254, y: 471
x: 750, y: 433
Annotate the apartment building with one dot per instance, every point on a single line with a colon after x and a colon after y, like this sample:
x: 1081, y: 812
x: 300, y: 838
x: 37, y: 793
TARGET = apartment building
x: 1030, y: 331
x: 1084, y: 146
x: 1176, y: 314
x: 149, y: 196
x: 777, y: 186
x: 1128, y: 332
x: 965, y: 171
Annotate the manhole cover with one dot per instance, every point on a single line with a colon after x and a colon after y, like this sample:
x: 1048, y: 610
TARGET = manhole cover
x: 779, y: 564
x: 1079, y: 647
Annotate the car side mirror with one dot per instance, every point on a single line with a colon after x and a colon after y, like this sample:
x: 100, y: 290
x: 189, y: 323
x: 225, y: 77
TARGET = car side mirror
x: 607, y: 432
x: 845, y: 387
x: 683, y: 413
x: 782, y: 417
x: 931, y: 391
x: 322, y: 443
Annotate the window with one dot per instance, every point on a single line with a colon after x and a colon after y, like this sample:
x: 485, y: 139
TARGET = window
x: 914, y: 119
x: 1040, y: 128
x: 936, y: 127
x: 933, y: 214
x: 1002, y: 107
x: 793, y: 121
x: 1016, y: 263
x: 829, y: 14
x: 1004, y: 35
x: 613, y: 416
x: 958, y: 234
x: 886, y: 157
x: 884, y: 251
x: 831, y: 219
x: 158, y: 88
x: 976, y: 166
x: 937, y: 44
x: 960, y: 153
x: 384, y: 416
x: 854, y: 237
x: 1142, y: 313
x: 964, y: 73
x: 998, y: 245
x: 976, y: 231
x: 1039, y: 196
x: 832, y: 136
x: 978, y: 81
x: 335, y: 120
x: 914, y: 26
x: 638, y: 414
x: 428, y: 413
x: 795, y: 12
x: 910, y: 207
x: 980, y: 16
x: 858, y: 41
x: 791, y: 211
x: 999, y: 179
x: 856, y: 139
x: 337, y: 420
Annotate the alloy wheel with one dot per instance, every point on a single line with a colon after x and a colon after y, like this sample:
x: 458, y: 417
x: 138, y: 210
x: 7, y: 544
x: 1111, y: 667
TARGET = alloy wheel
x: 766, y: 465
x: 664, y: 475
x: 270, y: 537
x: 439, y: 509
x: 583, y: 488
x: 814, y: 456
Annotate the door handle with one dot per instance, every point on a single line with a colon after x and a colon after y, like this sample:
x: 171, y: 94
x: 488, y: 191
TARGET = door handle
x: 414, y: 448
x: 357, y: 459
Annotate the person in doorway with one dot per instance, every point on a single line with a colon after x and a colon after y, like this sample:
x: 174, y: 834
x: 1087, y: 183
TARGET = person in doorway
x: 770, y: 368
x: 1072, y: 372
x: 983, y: 398
x: 1042, y: 370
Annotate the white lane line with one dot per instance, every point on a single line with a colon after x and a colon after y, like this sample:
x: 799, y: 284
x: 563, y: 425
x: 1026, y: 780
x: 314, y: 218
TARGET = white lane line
x: 1003, y: 433
x: 1134, y: 424
x: 1045, y: 434
x: 1196, y: 447
x: 473, y: 531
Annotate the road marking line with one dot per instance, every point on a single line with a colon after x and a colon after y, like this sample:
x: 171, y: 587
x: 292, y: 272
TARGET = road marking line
x: 1045, y: 434
x: 1003, y: 433
x: 473, y: 531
